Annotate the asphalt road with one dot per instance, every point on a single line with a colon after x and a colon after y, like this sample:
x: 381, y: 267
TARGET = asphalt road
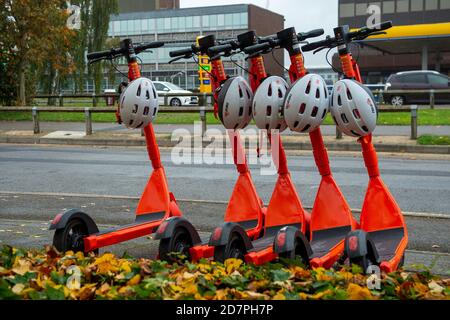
x: 418, y: 185
x: 169, y: 128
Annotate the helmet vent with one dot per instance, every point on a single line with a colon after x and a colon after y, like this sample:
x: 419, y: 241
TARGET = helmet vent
x: 138, y: 93
x: 236, y: 126
x: 146, y: 110
x: 279, y: 126
x: 130, y: 123
x: 308, y: 88
x: 324, y: 113
x: 248, y: 94
x: 154, y: 111
x: 365, y: 128
x: 140, y: 125
x: 269, y: 111
x: 154, y: 92
x: 296, y: 123
x: 326, y: 91
x: 317, y: 93
x: 314, y: 112
x: 306, y: 127
x: 135, y: 108
x: 302, y: 108
x: 335, y: 121
x: 147, y: 95
x: 356, y: 114
x: 241, y: 94
x: 339, y: 101
x: 344, y: 118
x: 356, y: 134
x: 123, y: 100
x: 280, y: 93
x: 349, y: 95
x: 269, y: 92
x: 241, y: 111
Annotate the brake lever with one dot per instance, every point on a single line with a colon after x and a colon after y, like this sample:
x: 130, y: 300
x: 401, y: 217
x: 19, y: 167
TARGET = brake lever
x: 319, y: 49
x: 188, y: 56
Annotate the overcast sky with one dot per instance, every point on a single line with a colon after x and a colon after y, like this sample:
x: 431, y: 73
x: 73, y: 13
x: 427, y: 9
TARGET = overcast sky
x: 304, y: 15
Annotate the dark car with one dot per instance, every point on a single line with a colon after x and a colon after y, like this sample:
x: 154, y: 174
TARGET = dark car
x: 416, y: 80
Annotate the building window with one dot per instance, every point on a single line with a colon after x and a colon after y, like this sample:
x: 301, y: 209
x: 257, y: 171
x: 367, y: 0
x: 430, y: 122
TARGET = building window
x: 431, y: 4
x: 174, y: 23
x: 144, y: 26
x: 205, y: 21
x: 160, y: 24
x: 189, y: 23
x: 151, y: 25
x: 166, y: 24
x: 123, y: 27
x: 402, y: 6
x: 445, y: 4
x: 361, y: 9
x: 244, y: 19
x: 388, y: 7
x: 182, y: 23
x: 229, y: 21
x: 236, y: 19
x: 416, y: 5
x: 347, y: 10
x: 213, y: 21
x: 196, y: 20
x: 137, y: 26
x: 116, y: 26
x: 221, y: 20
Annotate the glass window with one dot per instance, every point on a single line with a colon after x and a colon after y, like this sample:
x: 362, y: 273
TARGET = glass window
x: 438, y: 80
x: 347, y: 10
x: 174, y: 23
x: 445, y: 4
x: 431, y: 4
x: 402, y: 5
x: 144, y: 25
x: 151, y: 25
x: 123, y: 27
x: 221, y: 20
x: 414, y: 78
x: 416, y: 5
x: 213, y: 21
x: 189, y: 23
x: 160, y: 24
x: 361, y: 9
x: 196, y: 22
x: 388, y: 6
x: 205, y: 21
x: 236, y: 19
x: 182, y: 23
x: 116, y: 26
x: 137, y: 26
x: 166, y: 23
x: 229, y: 20
x: 130, y: 26
x: 244, y: 19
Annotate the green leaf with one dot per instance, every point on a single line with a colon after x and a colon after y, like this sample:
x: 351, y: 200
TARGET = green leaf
x: 280, y: 275
x: 6, y: 292
x: 37, y: 295
x: 356, y: 269
x: 57, y: 278
x: 23, y: 279
x: 54, y: 294
x: 447, y: 291
x: 158, y: 266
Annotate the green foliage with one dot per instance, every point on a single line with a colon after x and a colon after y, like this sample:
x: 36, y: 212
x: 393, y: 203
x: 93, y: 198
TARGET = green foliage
x: 434, y: 140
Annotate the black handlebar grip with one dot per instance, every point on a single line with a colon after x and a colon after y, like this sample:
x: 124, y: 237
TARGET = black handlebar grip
x: 98, y: 55
x: 152, y: 45
x: 219, y: 49
x: 385, y: 25
x: 312, y: 34
x: 180, y: 53
x: 257, y: 48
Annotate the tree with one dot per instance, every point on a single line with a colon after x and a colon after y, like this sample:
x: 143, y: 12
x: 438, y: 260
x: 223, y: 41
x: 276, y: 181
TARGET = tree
x: 37, y: 35
x: 95, y: 17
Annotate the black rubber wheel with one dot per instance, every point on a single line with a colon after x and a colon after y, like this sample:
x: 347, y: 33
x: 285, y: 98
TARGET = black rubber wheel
x: 71, y: 237
x: 235, y: 248
x: 175, y: 102
x: 298, y: 253
x: 179, y: 243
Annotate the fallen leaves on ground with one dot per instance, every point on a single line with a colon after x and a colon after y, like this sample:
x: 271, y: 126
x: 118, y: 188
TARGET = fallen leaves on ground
x: 47, y: 274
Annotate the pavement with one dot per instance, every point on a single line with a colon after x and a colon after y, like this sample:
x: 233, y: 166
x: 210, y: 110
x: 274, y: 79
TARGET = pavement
x: 37, y: 182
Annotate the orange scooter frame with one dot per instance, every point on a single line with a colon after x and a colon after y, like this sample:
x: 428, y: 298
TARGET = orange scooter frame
x: 74, y: 229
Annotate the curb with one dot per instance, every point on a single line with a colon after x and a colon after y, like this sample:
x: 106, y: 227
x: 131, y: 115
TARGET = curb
x: 333, y: 146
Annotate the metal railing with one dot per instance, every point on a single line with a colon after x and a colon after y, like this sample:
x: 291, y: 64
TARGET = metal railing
x: 201, y: 110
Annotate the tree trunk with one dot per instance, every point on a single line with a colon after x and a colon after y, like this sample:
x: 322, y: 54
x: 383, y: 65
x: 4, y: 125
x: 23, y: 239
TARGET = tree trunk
x: 22, y: 84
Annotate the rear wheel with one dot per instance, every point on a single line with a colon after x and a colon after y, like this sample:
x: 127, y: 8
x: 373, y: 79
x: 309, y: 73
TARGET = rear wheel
x: 397, y: 101
x: 71, y: 237
x: 179, y: 244
x: 175, y: 102
x: 298, y: 253
x: 235, y: 248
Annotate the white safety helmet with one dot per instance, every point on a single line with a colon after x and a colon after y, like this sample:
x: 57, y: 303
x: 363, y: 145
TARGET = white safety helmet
x: 139, y: 104
x: 268, y: 104
x: 235, y: 103
x: 306, y: 104
x: 353, y: 108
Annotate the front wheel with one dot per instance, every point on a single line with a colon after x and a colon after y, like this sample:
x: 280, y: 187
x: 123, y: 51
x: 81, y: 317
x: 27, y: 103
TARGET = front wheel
x: 235, y: 248
x: 71, y: 237
x: 179, y: 244
x: 397, y: 101
x: 299, y: 252
x: 175, y: 102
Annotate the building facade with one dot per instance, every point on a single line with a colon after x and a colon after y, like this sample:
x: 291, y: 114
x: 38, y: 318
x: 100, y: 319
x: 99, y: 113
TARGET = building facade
x: 179, y: 28
x: 411, y: 48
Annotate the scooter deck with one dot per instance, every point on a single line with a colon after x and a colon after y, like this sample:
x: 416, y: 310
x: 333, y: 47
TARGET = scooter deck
x: 387, y: 242
x: 140, y: 219
x: 325, y: 240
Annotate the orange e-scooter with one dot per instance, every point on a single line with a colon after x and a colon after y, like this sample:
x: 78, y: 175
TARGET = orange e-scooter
x: 382, y: 237
x: 245, y: 211
x: 331, y: 218
x: 76, y: 230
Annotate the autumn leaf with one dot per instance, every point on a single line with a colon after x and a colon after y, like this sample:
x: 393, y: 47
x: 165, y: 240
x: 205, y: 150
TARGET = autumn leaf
x: 356, y: 292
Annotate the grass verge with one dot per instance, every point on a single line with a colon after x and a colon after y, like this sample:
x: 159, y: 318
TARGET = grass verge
x: 434, y: 140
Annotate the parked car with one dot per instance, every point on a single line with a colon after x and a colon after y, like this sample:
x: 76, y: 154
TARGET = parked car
x: 167, y: 87
x: 416, y: 80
